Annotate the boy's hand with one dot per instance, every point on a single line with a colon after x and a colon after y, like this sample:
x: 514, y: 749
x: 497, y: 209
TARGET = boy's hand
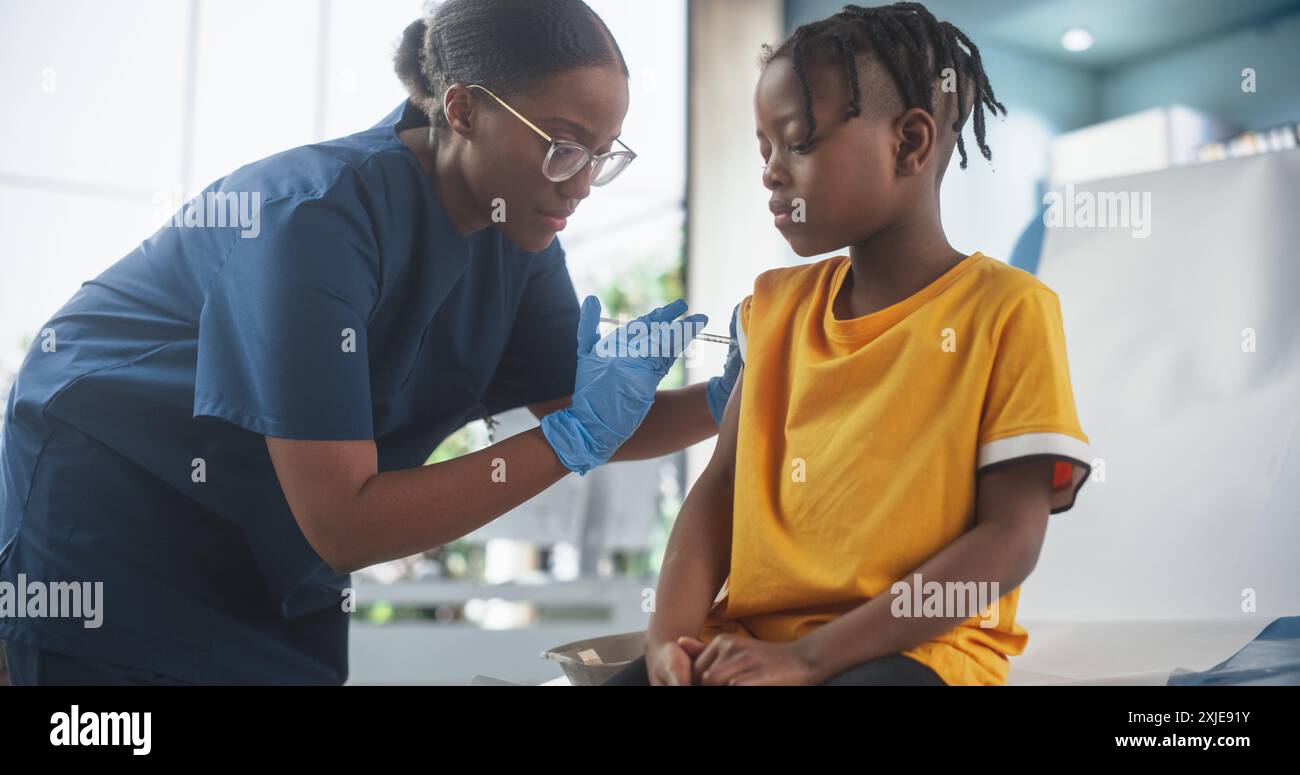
x: 730, y: 660
x: 668, y: 664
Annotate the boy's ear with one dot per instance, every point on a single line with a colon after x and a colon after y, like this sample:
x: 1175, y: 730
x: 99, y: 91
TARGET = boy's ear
x: 916, y: 135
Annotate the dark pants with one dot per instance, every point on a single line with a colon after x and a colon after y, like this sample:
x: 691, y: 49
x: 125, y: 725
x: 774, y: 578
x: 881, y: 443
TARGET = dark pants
x: 31, y: 666
x: 893, y: 670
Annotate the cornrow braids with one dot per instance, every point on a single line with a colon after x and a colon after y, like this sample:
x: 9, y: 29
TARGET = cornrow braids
x: 797, y: 46
x: 509, y: 45
x: 913, y: 46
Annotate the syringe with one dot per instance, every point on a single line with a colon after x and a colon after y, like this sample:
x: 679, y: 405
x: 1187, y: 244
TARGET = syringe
x: 705, y: 337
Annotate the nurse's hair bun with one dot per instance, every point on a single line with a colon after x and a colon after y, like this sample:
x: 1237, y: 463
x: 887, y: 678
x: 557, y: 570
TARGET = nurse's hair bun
x: 504, y: 45
x: 407, y: 62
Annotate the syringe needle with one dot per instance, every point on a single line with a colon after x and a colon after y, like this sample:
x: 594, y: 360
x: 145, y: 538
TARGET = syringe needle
x: 704, y: 336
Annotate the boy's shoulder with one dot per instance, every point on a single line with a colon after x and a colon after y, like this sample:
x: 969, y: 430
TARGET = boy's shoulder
x: 1001, y: 285
x: 797, y: 277
x: 996, y: 280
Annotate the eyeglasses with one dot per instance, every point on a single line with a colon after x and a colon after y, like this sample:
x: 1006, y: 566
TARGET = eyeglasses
x: 564, y: 159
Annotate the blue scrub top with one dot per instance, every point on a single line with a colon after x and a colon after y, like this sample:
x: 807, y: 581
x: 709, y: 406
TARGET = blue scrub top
x: 353, y: 310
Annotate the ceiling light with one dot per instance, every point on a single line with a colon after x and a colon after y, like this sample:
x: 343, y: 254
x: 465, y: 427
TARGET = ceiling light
x: 1076, y: 39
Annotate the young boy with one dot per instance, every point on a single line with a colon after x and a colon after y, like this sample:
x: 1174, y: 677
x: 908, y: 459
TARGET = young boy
x: 904, y: 423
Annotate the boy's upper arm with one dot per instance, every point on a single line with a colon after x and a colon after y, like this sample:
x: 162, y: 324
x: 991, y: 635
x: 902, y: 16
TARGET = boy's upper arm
x: 1029, y: 411
x: 1018, y: 498
x: 724, y: 452
x: 1033, y: 453
x: 742, y: 325
x: 723, y: 462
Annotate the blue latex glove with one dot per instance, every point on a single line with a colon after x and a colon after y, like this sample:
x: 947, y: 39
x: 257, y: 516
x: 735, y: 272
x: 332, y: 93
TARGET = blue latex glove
x: 719, y: 389
x: 616, y: 381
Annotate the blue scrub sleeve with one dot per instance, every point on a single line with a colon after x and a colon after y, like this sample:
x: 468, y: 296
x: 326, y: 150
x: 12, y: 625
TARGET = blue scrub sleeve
x: 541, y: 357
x: 282, y: 345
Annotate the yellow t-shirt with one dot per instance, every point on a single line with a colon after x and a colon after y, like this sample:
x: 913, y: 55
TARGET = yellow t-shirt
x: 860, y: 440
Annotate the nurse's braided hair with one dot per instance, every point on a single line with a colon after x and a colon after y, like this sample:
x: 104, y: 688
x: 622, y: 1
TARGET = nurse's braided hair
x: 902, y: 36
x: 506, y: 45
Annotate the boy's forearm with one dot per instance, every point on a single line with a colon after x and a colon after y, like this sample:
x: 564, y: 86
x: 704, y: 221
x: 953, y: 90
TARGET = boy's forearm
x: 985, y: 554
x: 696, y: 561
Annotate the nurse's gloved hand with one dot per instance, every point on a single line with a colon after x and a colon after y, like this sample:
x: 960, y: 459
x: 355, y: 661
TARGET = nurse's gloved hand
x: 616, y: 381
x: 719, y: 388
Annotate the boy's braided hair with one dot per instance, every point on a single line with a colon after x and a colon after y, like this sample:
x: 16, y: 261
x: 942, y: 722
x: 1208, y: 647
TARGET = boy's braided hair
x: 903, y: 37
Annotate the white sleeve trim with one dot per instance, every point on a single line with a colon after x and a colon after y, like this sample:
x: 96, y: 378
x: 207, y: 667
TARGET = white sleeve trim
x: 1039, y: 445
x: 1027, y: 444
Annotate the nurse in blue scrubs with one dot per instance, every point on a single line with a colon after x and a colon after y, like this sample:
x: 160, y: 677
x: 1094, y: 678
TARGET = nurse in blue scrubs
x: 218, y: 429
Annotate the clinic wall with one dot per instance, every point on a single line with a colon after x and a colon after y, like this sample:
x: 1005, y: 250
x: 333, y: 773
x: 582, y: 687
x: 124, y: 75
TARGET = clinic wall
x: 1207, y: 76
x: 730, y: 239
x: 1062, y: 96
x: 986, y: 206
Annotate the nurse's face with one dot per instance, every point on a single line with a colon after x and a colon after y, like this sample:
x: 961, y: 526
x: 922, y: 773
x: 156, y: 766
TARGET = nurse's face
x: 503, y: 162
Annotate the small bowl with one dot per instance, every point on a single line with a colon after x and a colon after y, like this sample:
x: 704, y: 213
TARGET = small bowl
x: 612, y: 653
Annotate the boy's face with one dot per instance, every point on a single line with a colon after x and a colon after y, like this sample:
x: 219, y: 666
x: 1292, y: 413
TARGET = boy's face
x: 846, y: 175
